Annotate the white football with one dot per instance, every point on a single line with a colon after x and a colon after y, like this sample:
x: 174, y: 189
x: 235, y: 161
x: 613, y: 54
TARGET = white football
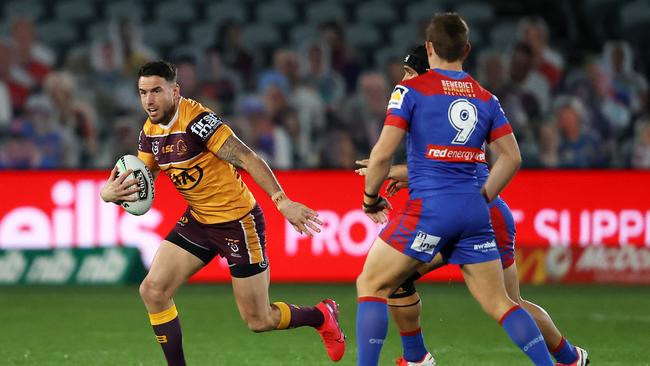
x: 145, y: 182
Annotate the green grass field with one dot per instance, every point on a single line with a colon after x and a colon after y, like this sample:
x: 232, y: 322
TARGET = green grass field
x: 108, y: 326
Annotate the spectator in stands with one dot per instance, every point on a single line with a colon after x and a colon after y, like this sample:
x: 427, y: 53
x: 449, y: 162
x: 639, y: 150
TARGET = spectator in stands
x: 284, y: 116
x: 317, y: 73
x: 629, y: 87
x: 127, y: 40
x: 17, y: 82
x: 32, y: 57
x: 39, y: 128
x: 640, y: 157
x: 220, y: 85
x: 114, y: 90
x: 520, y: 105
x: 6, y: 113
x: 533, y: 89
x: 338, y: 151
x: 122, y: 140
x: 18, y: 152
x: 235, y: 55
x: 364, y: 112
x: 74, y: 118
x: 579, y: 146
x: 549, y: 147
x: 534, y: 32
x: 343, y: 58
x: 187, y: 77
x: 492, y: 72
x: 267, y: 139
x: 395, y: 71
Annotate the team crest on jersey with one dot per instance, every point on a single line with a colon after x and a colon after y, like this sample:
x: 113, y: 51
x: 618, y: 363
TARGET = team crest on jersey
x: 397, y: 97
x: 181, y: 147
x: 155, y: 147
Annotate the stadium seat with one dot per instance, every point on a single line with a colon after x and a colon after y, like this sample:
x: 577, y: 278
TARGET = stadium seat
x: 385, y: 55
x: 476, y: 13
x: 325, y: 11
x: 57, y: 33
x: 220, y: 12
x: 125, y: 8
x: 276, y: 12
x: 376, y: 12
x: 635, y: 14
x: 203, y: 34
x: 159, y: 35
x: 302, y: 33
x: 422, y: 11
x: 406, y: 33
x: 74, y: 10
x: 175, y: 11
x: 33, y: 9
x: 260, y: 35
x: 503, y: 35
x: 362, y: 35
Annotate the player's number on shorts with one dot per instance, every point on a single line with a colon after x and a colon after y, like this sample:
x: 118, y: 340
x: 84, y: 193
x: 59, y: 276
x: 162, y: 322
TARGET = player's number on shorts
x: 463, y: 117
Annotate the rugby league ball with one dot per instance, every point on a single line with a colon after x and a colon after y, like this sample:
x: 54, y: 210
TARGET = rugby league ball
x: 144, y: 197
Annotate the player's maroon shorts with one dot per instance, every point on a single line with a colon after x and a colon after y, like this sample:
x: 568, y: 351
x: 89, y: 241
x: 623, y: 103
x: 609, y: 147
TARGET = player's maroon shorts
x: 241, y: 241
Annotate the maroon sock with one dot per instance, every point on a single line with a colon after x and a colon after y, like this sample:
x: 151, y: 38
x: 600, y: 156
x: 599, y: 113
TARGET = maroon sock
x: 294, y: 316
x: 169, y: 335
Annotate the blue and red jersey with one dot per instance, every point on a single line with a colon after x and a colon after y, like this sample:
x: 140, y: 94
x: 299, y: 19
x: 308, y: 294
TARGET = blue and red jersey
x: 448, y: 117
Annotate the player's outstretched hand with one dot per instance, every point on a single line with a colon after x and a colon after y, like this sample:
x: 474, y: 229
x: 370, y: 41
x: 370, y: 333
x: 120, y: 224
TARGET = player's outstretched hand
x: 304, y: 219
x: 364, y: 167
x: 378, y: 211
x: 394, y: 186
x: 118, y: 189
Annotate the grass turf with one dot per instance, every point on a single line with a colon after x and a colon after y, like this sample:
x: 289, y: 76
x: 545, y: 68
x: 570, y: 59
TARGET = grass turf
x: 108, y: 326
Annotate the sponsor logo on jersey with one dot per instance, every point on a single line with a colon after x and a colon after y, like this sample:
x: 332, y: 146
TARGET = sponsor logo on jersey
x: 183, y: 221
x: 458, y: 88
x: 185, y: 178
x: 485, y: 247
x: 206, y: 126
x: 425, y: 243
x: 397, y: 97
x: 457, y: 154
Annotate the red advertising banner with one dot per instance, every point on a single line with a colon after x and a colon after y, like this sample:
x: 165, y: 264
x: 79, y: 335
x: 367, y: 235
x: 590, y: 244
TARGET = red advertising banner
x: 552, y: 208
x: 591, y: 264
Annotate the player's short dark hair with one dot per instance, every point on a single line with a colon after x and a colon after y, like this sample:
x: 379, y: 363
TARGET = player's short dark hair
x: 164, y: 69
x: 449, y: 35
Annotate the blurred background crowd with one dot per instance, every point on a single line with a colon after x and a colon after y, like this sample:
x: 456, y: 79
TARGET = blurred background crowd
x: 306, y: 83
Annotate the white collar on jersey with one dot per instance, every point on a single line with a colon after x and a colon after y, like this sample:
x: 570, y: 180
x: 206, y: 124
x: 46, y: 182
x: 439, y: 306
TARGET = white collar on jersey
x: 171, y: 123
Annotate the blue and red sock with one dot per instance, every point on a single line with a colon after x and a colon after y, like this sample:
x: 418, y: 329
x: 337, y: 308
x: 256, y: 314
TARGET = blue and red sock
x: 413, y: 345
x: 372, y: 327
x: 523, y: 332
x: 565, y: 352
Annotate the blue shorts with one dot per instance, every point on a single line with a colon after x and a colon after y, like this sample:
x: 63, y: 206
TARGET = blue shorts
x: 456, y: 225
x: 504, y: 230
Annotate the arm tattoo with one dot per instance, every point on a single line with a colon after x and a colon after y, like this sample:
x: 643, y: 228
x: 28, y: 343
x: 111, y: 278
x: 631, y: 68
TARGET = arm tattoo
x: 233, y: 150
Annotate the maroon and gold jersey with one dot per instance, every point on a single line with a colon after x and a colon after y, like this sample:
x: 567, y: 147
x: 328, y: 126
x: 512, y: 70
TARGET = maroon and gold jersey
x: 185, y: 149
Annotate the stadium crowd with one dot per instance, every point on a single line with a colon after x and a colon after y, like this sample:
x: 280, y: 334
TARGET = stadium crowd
x: 316, y: 103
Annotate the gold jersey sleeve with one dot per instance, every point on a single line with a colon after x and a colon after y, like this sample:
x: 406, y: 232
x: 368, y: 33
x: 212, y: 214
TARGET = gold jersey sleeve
x: 185, y: 150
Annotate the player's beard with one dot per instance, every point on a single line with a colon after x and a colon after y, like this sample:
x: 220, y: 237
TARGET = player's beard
x: 166, y: 117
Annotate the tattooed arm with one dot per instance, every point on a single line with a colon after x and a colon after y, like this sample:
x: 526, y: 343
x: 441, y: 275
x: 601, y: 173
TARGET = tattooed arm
x: 238, y: 154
